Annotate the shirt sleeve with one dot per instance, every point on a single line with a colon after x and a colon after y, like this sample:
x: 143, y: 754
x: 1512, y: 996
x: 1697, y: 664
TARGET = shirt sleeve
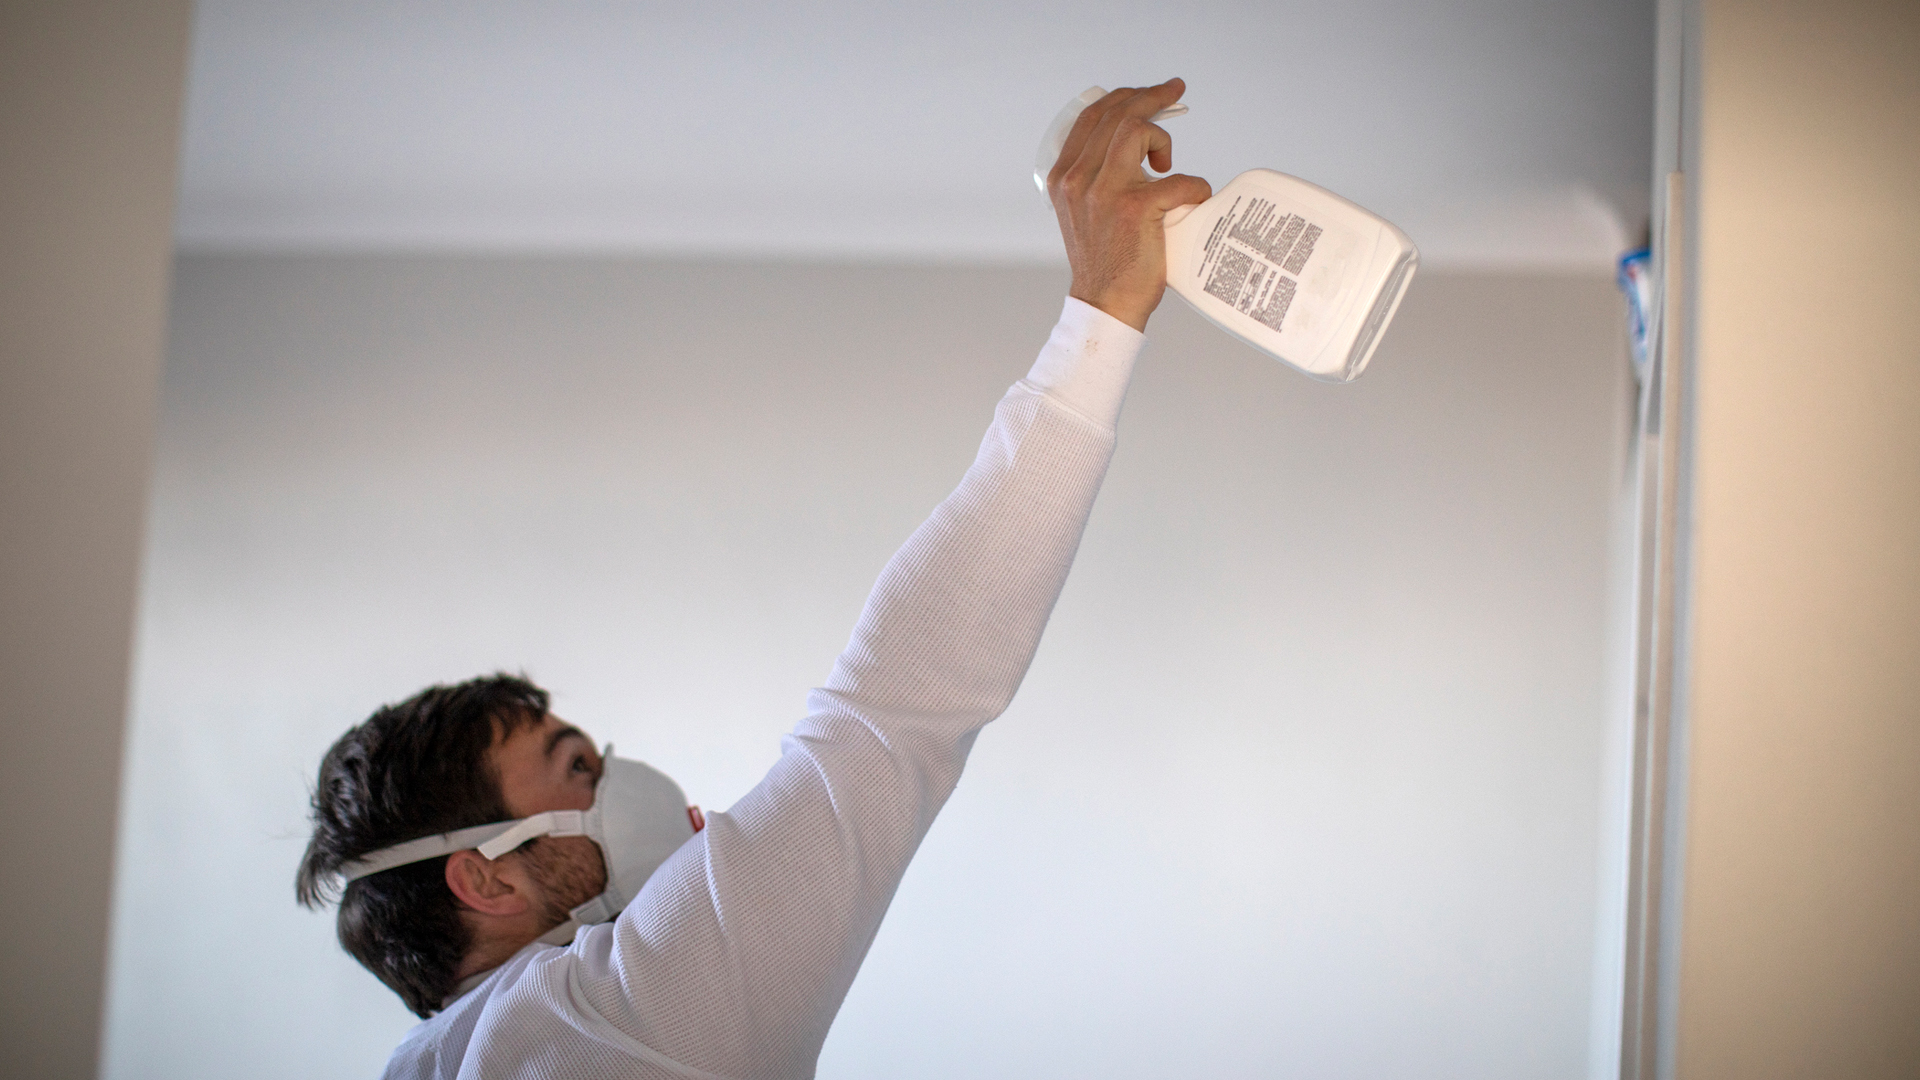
x: 736, y: 955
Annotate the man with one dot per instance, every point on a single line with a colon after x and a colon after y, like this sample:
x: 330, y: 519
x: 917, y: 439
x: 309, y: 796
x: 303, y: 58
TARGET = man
x: 481, y: 838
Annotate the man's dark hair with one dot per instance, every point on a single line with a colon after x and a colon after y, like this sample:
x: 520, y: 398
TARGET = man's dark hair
x: 414, y: 769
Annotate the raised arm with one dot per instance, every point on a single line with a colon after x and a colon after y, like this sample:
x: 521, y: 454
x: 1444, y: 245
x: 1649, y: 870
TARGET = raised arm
x: 739, y: 951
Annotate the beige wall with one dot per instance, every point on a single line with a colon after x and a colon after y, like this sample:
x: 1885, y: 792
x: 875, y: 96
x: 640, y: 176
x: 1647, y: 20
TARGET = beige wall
x: 1801, y: 939
x: 89, y: 107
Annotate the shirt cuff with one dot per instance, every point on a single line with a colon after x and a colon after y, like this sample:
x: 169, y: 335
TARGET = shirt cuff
x: 1087, y: 362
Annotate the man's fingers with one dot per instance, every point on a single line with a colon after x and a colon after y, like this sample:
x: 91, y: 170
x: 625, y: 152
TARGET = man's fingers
x: 1089, y: 145
x: 1087, y: 138
x: 1096, y: 152
x: 1081, y: 132
x: 1178, y: 190
x: 1137, y: 139
x: 1124, y: 116
x: 1152, y: 99
x: 1160, y: 153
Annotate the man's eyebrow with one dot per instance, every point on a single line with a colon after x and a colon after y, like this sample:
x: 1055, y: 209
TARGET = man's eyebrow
x: 560, y: 733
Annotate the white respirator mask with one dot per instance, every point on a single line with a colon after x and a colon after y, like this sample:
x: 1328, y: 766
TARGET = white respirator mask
x: 638, y: 818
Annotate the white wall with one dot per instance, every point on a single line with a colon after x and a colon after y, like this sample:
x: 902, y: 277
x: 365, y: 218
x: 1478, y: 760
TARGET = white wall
x: 1305, y: 781
x: 90, y: 97
x: 1494, y: 132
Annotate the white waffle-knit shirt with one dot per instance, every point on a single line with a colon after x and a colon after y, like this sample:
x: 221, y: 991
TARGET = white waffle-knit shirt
x: 734, y: 958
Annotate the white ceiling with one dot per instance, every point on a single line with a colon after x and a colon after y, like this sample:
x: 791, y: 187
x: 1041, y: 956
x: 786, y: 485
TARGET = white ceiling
x: 1497, y: 132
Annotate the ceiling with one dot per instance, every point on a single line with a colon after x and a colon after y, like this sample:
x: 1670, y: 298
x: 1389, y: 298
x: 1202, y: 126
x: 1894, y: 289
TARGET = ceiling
x: 1496, y: 132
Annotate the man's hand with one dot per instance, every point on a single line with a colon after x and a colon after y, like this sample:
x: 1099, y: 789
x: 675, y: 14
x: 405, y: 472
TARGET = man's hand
x: 1110, y: 214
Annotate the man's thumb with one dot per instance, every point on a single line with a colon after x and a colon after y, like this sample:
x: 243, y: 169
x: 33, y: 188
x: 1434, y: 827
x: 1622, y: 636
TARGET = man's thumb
x: 1179, y: 189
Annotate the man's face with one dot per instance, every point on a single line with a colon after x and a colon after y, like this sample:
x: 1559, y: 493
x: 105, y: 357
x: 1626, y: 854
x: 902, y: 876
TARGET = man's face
x: 552, y: 765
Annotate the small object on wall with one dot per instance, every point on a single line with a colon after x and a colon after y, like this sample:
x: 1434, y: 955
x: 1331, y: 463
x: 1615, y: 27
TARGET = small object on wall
x: 1288, y: 267
x: 1636, y: 283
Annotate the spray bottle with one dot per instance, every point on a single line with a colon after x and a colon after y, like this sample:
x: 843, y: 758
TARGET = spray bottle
x: 1288, y: 267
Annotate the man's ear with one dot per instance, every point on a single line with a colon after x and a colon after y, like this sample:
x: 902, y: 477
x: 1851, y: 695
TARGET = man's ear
x: 488, y: 886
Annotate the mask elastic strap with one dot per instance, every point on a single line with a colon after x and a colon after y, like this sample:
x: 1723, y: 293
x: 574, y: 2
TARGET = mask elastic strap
x: 551, y: 823
x: 492, y: 841
x: 597, y: 910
